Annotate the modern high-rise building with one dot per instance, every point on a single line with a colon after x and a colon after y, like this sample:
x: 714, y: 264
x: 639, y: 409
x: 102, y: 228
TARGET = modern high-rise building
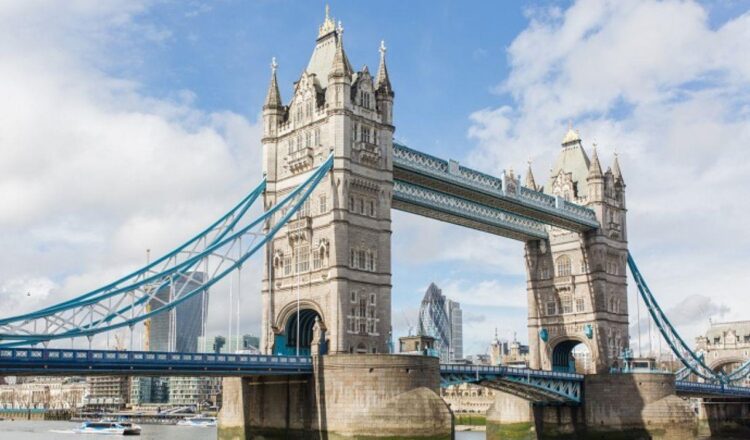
x: 455, y: 317
x: 178, y: 330
x: 442, y: 319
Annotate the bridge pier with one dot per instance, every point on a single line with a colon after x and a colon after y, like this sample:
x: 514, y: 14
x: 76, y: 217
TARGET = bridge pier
x: 349, y: 396
x: 615, y: 406
x: 724, y: 416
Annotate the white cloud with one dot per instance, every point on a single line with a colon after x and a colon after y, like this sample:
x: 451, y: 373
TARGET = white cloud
x: 94, y: 169
x: 672, y: 94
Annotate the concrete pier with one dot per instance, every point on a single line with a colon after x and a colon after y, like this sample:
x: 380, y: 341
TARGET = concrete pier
x: 349, y: 396
x: 724, y: 417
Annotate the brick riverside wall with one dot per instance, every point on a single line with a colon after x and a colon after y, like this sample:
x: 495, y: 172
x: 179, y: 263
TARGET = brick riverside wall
x: 724, y: 417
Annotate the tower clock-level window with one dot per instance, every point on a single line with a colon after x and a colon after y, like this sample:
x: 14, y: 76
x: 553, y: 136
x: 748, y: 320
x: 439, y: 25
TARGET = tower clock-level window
x: 551, y: 309
x: 317, y: 261
x: 323, y: 204
x: 563, y: 266
x: 302, y: 259
x: 567, y: 305
x: 287, y: 265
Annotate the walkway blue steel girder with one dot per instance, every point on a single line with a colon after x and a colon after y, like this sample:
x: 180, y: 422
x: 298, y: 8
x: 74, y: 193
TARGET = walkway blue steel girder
x: 417, y: 168
x: 697, y: 389
x: 452, y: 209
x: 47, y: 362
x: 550, y: 387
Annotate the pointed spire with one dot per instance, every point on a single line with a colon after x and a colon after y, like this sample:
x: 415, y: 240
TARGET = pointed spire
x: 340, y: 65
x: 616, y: 169
x: 273, y: 97
x: 595, y: 168
x: 530, y: 182
x: 383, y: 83
x: 328, y: 26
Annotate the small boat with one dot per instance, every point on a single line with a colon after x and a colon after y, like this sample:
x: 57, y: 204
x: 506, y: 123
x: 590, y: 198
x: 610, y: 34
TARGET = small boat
x: 108, y: 427
x: 199, y: 421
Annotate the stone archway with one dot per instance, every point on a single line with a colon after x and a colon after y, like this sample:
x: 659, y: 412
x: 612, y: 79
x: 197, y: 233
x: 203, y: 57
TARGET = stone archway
x: 296, y: 334
x: 572, y: 355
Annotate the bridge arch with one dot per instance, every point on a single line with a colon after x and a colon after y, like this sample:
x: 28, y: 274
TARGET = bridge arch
x: 563, y: 358
x: 726, y: 364
x: 288, y: 323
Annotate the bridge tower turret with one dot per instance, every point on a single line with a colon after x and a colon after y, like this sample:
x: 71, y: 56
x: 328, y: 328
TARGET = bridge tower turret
x: 334, y: 255
x: 577, y: 281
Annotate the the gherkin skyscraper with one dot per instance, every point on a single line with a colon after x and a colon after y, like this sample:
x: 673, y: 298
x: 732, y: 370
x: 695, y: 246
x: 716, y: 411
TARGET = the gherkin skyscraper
x: 441, y: 319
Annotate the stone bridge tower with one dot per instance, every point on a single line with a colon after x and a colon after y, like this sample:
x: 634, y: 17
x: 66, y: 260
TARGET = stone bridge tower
x: 335, y: 254
x: 577, y: 285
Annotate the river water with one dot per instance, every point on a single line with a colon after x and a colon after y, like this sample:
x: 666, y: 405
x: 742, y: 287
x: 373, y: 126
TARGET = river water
x: 42, y: 430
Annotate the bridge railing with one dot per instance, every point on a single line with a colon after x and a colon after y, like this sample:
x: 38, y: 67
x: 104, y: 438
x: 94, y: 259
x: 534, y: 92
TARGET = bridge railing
x: 452, y: 171
x: 711, y: 388
x: 507, y: 371
x: 32, y: 355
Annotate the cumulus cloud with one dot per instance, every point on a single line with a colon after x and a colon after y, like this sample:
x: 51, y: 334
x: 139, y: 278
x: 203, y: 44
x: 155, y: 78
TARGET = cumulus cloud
x: 667, y: 90
x: 94, y: 169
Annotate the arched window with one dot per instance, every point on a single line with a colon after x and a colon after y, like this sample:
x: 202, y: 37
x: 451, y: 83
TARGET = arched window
x: 563, y: 266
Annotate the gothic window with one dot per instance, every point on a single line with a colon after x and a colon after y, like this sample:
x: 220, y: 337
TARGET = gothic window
x: 290, y: 146
x: 302, y: 259
x: 551, y: 309
x: 353, y: 299
x: 372, y: 208
x: 368, y: 261
x: 579, y: 305
x: 567, y: 305
x: 317, y: 136
x: 365, y: 133
x: 361, y: 204
x: 304, y: 210
x: 287, y: 265
x: 323, y: 204
x: 583, y: 266
x: 308, y: 139
x: 361, y: 259
x: 299, y: 142
x: 354, y: 259
x: 317, y: 262
x: 563, y: 266
x: 354, y: 132
x: 351, y: 204
x: 544, y: 271
x: 372, y: 299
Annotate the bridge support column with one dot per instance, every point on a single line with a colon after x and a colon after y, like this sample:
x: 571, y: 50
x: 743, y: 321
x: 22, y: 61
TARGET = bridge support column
x: 724, y: 416
x: 512, y: 417
x: 615, y: 406
x: 349, y: 396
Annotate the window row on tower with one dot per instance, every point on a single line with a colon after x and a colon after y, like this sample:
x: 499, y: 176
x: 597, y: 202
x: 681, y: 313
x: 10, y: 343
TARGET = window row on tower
x: 363, y: 259
x: 362, y: 318
x: 303, y: 140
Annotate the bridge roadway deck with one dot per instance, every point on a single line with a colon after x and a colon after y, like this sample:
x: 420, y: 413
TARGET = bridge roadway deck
x: 533, y: 384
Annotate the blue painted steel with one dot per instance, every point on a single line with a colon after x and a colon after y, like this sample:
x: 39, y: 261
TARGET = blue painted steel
x: 684, y: 387
x: 466, y: 209
x: 30, y: 361
x: 542, y: 386
x: 307, y: 186
x: 425, y: 164
x: 240, y: 209
x: 684, y: 353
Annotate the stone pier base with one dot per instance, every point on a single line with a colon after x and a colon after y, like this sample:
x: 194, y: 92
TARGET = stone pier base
x: 724, y: 417
x: 616, y: 406
x: 348, y: 397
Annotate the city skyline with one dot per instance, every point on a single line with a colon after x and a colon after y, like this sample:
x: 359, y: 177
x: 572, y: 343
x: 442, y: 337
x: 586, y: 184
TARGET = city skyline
x: 510, y: 113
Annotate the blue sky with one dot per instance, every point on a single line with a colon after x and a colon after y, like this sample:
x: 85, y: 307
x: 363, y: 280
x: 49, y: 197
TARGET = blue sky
x: 130, y: 124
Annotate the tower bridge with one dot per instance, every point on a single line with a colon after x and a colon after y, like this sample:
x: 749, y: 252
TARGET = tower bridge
x: 332, y: 175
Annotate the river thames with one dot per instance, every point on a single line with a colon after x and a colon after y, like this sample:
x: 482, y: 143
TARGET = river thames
x: 38, y: 430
